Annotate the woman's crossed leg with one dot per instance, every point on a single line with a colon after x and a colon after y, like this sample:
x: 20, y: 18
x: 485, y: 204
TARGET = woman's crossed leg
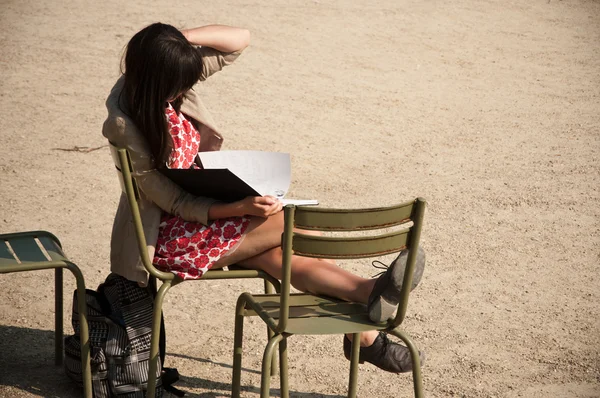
x: 261, y: 249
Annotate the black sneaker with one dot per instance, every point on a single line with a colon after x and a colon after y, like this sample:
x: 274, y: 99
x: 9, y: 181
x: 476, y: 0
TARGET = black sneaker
x: 385, y: 354
x: 385, y: 296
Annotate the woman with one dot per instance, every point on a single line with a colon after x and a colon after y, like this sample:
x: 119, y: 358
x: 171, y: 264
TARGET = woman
x: 154, y: 112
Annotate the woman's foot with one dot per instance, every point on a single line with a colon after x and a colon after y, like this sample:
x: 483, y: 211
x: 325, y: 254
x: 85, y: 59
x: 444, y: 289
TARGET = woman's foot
x: 385, y: 295
x: 385, y: 354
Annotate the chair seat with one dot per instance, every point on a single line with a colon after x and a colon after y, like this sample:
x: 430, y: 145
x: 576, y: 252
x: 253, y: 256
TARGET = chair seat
x: 40, y: 250
x: 28, y: 251
x: 310, y: 314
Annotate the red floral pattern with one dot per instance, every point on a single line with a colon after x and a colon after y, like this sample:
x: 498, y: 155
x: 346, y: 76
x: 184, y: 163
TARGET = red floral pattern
x: 189, y: 249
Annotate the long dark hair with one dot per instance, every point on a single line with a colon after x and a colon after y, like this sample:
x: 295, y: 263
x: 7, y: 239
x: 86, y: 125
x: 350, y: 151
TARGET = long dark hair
x: 159, y: 65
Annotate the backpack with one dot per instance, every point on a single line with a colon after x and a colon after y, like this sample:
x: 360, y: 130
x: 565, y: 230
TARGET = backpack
x: 120, y: 326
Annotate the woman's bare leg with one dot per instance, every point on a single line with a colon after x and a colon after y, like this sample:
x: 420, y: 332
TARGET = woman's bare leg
x: 261, y: 250
x: 314, y: 276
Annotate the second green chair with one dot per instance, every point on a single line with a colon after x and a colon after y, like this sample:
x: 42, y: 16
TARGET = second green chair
x: 287, y: 314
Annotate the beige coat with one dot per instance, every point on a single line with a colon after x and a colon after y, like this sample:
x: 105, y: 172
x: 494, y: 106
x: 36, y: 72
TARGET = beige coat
x: 158, y: 193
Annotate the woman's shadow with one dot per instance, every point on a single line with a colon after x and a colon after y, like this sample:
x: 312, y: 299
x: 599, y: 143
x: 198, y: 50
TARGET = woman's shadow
x: 27, y: 365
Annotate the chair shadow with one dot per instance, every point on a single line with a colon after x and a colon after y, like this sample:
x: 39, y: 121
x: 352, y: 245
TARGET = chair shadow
x: 220, y: 390
x: 27, y: 364
x: 221, y: 364
x: 217, y: 387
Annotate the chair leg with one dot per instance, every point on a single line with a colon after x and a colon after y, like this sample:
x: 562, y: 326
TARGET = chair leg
x: 270, y: 289
x: 84, y: 334
x: 352, y: 384
x: 154, y: 342
x: 238, y: 339
x: 265, y: 376
x: 283, y: 372
x: 416, y: 361
x: 271, y: 284
x: 58, y: 316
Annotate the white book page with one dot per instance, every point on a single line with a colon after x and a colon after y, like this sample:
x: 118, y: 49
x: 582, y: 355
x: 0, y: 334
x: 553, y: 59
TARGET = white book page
x: 269, y: 173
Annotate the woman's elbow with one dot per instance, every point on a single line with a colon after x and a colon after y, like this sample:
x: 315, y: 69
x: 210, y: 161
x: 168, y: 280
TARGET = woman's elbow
x: 244, y: 39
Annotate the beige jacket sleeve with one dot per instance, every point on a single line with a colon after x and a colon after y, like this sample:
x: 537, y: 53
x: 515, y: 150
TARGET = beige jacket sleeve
x: 120, y: 130
x: 214, y: 60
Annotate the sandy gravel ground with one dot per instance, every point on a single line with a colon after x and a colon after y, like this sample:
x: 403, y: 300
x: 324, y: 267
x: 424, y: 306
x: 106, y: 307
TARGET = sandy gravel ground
x: 488, y: 109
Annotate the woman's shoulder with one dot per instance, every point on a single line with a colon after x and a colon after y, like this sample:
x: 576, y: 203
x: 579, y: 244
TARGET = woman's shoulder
x: 117, y: 122
x: 121, y: 131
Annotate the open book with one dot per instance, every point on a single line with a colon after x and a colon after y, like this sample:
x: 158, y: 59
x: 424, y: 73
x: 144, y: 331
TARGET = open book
x: 232, y: 175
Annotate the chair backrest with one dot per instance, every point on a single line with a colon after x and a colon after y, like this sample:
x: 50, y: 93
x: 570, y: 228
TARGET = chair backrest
x: 406, y: 218
x: 129, y: 186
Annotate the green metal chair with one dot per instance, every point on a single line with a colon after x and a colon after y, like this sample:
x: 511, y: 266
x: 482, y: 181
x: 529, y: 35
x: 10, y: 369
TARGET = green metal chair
x: 130, y: 188
x: 40, y: 250
x: 288, y: 314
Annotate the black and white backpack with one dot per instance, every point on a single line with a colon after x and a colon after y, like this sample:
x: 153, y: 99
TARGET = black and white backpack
x: 120, y: 324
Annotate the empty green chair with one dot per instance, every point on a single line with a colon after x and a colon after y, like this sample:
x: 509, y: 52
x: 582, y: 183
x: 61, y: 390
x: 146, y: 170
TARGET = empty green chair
x: 129, y: 186
x: 287, y: 314
x: 41, y: 250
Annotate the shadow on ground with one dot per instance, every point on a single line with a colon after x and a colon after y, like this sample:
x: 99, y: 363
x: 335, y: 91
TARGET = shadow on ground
x: 27, y: 366
x: 224, y: 389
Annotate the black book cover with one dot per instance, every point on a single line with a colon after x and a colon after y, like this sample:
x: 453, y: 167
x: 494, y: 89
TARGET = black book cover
x: 219, y: 184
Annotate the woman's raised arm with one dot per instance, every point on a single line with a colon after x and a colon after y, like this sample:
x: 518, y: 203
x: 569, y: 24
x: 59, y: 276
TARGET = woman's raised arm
x: 220, y: 37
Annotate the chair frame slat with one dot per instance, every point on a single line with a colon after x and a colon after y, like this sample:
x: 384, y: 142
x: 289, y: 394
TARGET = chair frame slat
x: 349, y: 247
x: 52, y: 248
x: 323, y: 219
x: 6, y: 256
x: 332, y: 309
x: 27, y: 250
x: 272, y: 300
x: 417, y: 217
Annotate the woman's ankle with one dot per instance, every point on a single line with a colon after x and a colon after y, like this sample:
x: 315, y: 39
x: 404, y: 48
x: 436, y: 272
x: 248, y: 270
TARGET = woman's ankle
x: 366, y: 338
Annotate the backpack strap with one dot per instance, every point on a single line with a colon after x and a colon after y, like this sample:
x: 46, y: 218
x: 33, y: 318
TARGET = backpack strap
x: 169, y: 377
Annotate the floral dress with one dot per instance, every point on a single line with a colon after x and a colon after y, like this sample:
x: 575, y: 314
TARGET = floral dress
x: 186, y: 248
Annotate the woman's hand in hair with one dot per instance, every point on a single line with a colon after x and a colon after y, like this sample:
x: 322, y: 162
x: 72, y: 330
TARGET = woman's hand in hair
x: 220, y: 37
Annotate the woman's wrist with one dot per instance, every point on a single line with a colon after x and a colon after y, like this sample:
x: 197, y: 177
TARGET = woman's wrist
x: 224, y: 210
